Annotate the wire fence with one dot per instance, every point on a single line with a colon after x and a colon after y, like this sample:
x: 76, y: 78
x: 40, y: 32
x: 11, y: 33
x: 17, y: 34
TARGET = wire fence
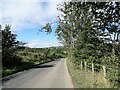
x: 104, y: 72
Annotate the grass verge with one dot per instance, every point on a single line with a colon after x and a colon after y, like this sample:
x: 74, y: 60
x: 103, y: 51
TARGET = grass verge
x: 82, y: 79
x: 24, y: 65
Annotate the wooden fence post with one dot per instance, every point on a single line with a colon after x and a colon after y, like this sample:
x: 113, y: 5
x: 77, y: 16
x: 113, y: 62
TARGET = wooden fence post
x: 92, y: 68
x: 104, y: 71
x: 85, y: 66
x: 81, y: 65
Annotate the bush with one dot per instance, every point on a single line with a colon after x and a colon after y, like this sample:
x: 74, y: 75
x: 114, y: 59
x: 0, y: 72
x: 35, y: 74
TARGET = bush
x: 11, y: 61
x: 113, y: 71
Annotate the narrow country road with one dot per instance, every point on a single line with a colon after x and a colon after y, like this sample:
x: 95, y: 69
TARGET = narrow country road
x: 50, y: 75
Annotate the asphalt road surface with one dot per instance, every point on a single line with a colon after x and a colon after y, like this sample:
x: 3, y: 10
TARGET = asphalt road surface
x: 50, y: 75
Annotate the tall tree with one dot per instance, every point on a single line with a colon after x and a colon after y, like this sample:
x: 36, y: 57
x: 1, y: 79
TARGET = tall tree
x: 8, y: 46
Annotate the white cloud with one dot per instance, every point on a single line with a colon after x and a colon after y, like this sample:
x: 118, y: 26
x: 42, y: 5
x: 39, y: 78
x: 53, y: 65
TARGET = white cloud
x: 42, y: 44
x: 29, y: 14
x: 36, y: 0
x: 22, y: 14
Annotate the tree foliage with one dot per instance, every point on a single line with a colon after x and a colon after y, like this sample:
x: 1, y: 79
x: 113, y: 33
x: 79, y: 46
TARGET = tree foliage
x: 8, y: 47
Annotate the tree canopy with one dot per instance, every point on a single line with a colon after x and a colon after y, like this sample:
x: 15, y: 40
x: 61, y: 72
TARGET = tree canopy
x: 8, y: 47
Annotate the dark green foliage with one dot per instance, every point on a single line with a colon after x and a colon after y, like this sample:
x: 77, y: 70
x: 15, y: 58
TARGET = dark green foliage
x: 8, y: 48
x: 47, y: 28
x: 16, y: 68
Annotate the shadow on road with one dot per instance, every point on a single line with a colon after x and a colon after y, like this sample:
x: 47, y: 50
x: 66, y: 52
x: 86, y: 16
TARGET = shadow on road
x: 44, y: 66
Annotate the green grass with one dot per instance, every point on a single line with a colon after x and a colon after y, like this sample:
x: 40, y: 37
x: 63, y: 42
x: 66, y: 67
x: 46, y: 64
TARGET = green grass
x: 20, y: 67
x: 13, y: 69
x: 82, y: 79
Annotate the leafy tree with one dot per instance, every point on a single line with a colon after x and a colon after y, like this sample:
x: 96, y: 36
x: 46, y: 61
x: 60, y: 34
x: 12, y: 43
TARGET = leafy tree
x: 20, y: 45
x: 108, y: 23
x: 107, y: 20
x: 8, y: 47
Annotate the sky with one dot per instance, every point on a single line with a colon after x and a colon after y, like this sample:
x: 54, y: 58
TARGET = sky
x: 27, y: 17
